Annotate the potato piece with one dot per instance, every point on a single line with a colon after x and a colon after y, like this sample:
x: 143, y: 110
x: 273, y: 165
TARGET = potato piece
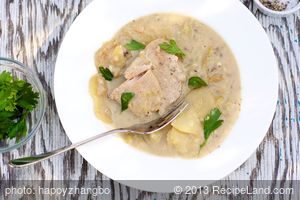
x: 184, y: 143
x: 98, y: 89
x: 102, y: 56
x: 156, y: 137
x: 201, y: 101
x: 112, y: 56
x: 178, y: 140
x: 188, y: 122
x: 118, y: 57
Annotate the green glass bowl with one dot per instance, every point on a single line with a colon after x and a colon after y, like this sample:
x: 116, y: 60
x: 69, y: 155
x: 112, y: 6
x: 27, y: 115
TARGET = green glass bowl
x: 20, y: 71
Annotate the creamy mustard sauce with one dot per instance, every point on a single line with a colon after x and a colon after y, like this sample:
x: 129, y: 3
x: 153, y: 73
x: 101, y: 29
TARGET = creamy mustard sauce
x: 207, y: 56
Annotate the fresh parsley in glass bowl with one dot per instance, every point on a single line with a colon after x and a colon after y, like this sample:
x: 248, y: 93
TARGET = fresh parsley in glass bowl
x: 22, y: 104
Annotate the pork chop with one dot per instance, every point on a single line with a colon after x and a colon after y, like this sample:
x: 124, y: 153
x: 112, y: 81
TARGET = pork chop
x: 147, y: 94
x: 163, y: 76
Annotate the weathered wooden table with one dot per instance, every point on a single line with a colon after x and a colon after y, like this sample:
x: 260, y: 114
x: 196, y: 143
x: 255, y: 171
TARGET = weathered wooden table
x: 31, y: 31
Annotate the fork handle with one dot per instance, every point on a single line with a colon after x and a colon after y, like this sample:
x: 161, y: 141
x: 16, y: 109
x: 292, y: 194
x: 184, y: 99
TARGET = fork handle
x: 26, y: 161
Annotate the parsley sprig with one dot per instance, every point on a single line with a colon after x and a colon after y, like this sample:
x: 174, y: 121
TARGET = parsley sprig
x: 172, y: 48
x: 134, y: 45
x: 211, y: 122
x: 125, y: 99
x: 106, y: 73
x: 17, y: 100
x: 196, y: 82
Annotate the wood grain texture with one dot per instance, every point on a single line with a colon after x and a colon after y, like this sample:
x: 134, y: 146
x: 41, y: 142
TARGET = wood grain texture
x: 32, y: 31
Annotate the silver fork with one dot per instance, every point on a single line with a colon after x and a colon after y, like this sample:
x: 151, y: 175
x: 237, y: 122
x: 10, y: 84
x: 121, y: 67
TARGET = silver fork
x: 146, y: 128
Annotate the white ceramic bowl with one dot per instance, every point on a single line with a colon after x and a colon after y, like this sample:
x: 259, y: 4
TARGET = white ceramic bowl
x: 274, y: 13
x: 111, y: 155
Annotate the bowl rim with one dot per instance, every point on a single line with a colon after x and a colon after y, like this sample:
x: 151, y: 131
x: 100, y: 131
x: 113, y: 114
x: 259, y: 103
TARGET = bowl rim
x: 42, y: 101
x: 277, y: 13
